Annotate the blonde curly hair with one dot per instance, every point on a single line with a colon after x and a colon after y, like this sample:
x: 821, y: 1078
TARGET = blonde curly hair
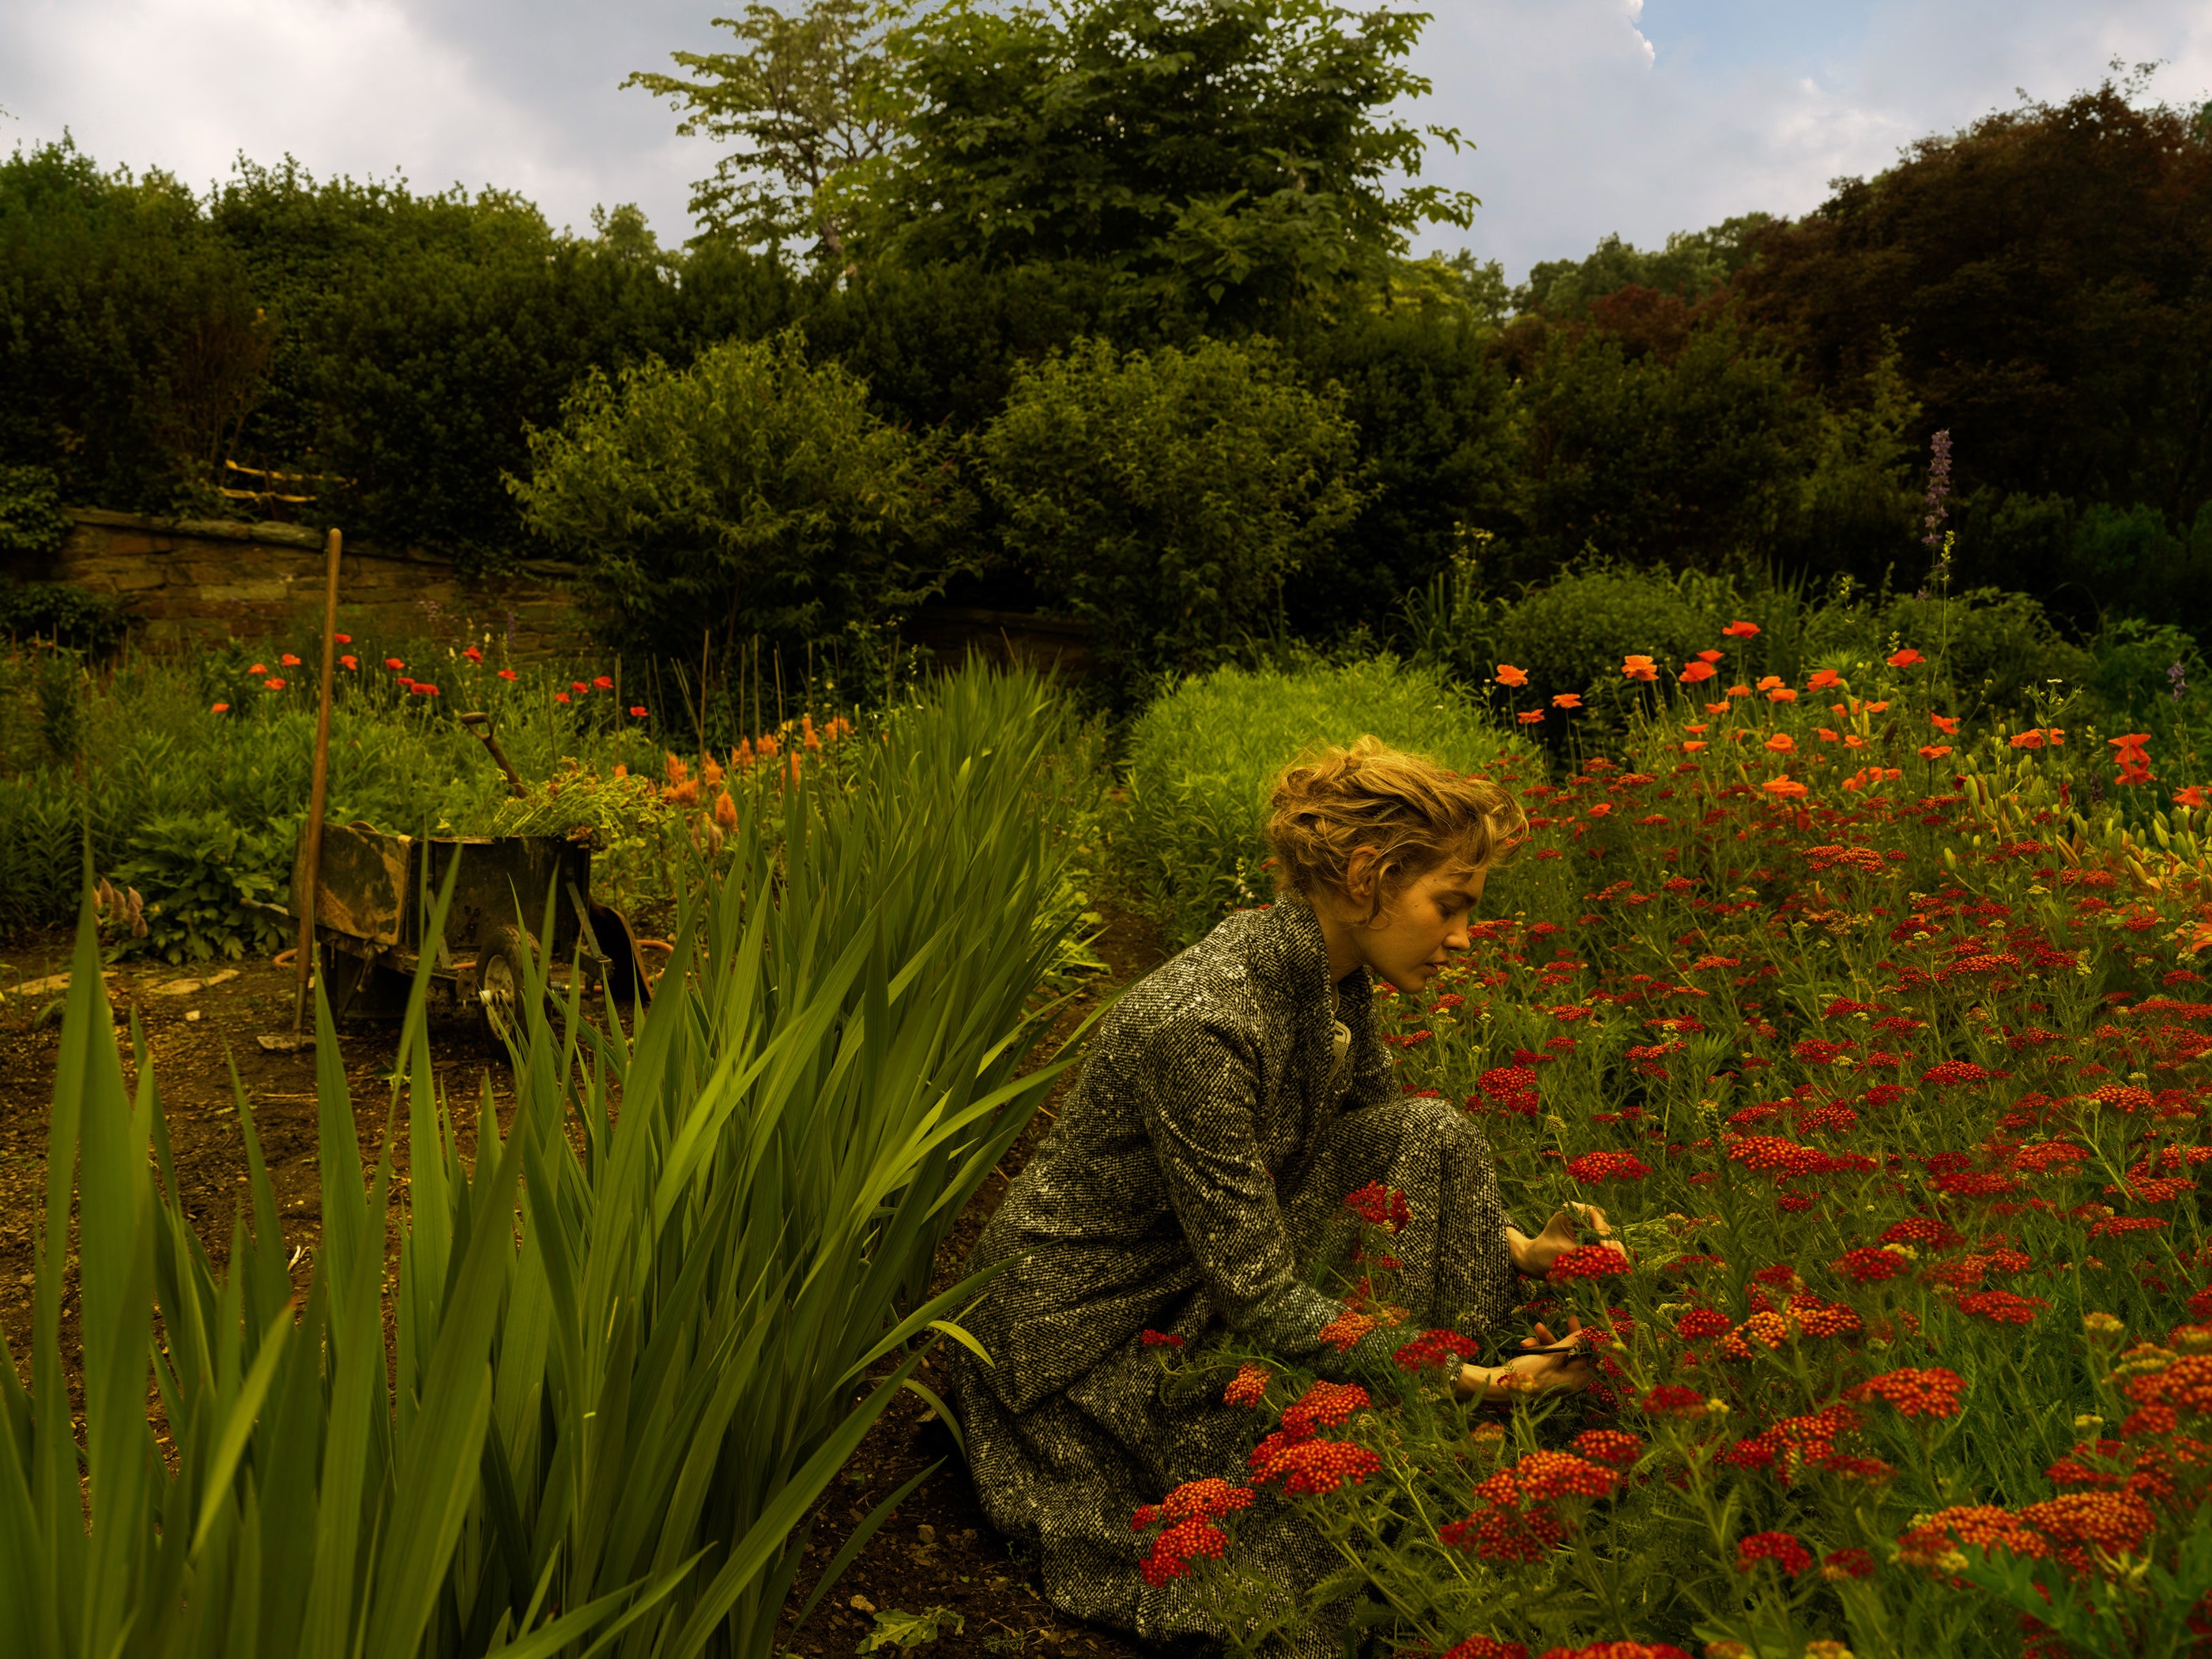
x: 1411, y: 813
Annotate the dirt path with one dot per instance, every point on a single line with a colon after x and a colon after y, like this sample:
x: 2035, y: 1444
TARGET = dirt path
x: 937, y: 1551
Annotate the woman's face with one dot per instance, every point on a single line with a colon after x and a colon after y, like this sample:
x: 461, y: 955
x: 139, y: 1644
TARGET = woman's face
x: 1418, y: 931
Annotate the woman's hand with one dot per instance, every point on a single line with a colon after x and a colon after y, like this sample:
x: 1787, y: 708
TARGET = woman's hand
x: 1529, y: 1373
x: 1535, y: 1256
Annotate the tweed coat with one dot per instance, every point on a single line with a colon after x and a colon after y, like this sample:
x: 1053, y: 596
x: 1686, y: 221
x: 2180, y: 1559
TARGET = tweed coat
x: 1193, y: 1182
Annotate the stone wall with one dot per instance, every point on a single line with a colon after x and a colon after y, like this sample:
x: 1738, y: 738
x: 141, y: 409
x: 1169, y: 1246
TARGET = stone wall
x: 190, y: 580
x: 214, y: 579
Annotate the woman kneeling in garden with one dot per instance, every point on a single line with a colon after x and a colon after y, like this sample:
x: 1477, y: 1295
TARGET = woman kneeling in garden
x: 1196, y: 1178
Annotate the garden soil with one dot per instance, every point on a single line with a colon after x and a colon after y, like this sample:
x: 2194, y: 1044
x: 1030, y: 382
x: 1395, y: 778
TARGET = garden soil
x: 937, y: 1552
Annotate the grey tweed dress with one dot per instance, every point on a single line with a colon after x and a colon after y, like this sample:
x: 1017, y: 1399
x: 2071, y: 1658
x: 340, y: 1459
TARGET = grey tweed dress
x: 1195, y: 1181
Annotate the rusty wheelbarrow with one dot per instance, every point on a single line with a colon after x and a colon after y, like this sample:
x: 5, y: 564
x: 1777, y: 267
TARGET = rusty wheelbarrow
x: 373, y: 898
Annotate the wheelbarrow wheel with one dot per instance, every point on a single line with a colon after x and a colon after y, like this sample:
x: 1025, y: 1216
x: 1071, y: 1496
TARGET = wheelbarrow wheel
x: 502, y: 982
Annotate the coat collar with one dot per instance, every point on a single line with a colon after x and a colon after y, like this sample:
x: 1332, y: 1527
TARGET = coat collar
x: 1294, y: 958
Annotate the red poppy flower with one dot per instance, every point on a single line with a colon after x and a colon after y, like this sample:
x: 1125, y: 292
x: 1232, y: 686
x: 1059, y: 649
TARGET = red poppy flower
x: 423, y: 689
x: 394, y: 664
x: 637, y: 711
x: 219, y: 708
x: 1905, y: 659
x: 258, y: 668
x: 348, y: 663
x: 559, y: 697
x: 342, y: 639
x: 507, y: 674
x: 473, y: 654
x: 274, y: 685
x: 579, y: 688
x: 289, y: 660
x: 1824, y: 679
x: 605, y: 683
x: 1741, y: 630
x: 1530, y: 716
x: 1710, y: 656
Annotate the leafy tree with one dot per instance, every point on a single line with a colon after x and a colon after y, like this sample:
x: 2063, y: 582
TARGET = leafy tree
x: 810, y: 101
x: 1229, y: 158
x: 1167, y: 495
x: 2046, y: 278
x: 1659, y: 461
x: 1439, y: 449
x: 418, y: 337
x: 130, y: 344
x: 750, y: 492
x: 1692, y: 263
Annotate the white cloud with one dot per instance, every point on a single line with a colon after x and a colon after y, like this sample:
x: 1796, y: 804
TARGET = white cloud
x: 1587, y: 116
x: 364, y: 86
x: 1586, y: 122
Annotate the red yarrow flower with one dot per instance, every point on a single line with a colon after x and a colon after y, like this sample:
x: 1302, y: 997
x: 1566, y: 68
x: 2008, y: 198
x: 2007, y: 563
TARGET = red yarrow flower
x: 1614, y: 1447
x: 1587, y: 1261
x: 1869, y: 1267
x: 1607, y: 1166
x: 1485, y: 1647
x: 1311, y: 1468
x: 1248, y: 1387
x: 1839, y: 1564
x: 2002, y: 1307
x: 1915, y: 1391
x: 1781, y: 1548
x: 1431, y: 1348
x: 1209, y: 1498
x: 1153, y: 1338
x: 1173, y: 1549
x: 1616, y: 1650
x: 1380, y: 1207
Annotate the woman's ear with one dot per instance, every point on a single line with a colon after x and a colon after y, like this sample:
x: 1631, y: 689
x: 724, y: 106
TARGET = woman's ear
x: 1359, y: 875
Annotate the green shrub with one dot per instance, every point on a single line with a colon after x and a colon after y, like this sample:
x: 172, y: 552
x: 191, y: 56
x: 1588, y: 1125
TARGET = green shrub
x: 1203, y: 759
x: 204, y: 879
x: 1573, y: 635
x: 1166, y: 496
x: 31, y: 516
x: 749, y: 493
x: 69, y: 616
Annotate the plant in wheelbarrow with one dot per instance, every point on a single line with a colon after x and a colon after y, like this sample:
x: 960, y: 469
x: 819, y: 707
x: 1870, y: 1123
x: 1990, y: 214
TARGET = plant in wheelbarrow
x: 626, y: 1351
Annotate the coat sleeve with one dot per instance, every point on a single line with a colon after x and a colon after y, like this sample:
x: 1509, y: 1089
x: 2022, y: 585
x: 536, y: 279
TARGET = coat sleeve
x: 1201, y: 1093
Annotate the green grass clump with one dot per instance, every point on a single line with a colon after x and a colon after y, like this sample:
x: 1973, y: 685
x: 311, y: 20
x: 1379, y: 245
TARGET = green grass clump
x: 1203, y: 759
x: 627, y: 1350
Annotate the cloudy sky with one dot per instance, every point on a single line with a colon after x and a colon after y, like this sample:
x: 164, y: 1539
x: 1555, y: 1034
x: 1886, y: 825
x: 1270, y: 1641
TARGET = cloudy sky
x: 1583, y: 117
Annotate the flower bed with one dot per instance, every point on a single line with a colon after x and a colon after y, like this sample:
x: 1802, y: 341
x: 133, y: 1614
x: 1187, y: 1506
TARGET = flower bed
x: 1892, y: 1070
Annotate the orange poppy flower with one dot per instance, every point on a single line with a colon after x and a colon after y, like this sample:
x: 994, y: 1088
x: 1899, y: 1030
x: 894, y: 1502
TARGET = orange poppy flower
x: 1568, y: 699
x: 1693, y: 673
x: 1508, y: 675
x: 1741, y: 630
x: 1948, y: 727
x: 1905, y: 658
x: 1782, y: 744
